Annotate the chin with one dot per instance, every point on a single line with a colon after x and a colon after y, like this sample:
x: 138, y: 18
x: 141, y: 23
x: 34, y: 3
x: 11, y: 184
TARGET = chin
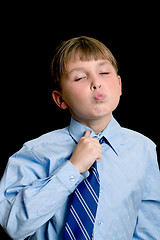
x: 100, y: 116
x: 101, y: 112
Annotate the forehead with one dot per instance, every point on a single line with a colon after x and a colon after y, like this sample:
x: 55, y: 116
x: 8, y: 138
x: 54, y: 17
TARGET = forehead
x: 78, y: 65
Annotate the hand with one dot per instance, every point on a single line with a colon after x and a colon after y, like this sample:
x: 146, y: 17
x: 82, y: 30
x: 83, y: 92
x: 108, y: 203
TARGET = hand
x: 87, y: 151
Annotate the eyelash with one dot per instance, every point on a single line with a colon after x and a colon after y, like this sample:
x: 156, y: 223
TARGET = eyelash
x: 104, y: 73
x: 78, y: 79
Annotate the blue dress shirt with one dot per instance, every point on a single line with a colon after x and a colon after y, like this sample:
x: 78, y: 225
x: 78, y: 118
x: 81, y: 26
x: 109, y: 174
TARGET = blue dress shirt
x: 38, y: 180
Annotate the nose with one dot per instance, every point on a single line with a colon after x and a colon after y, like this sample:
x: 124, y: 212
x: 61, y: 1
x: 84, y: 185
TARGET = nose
x: 95, y: 82
x: 95, y: 85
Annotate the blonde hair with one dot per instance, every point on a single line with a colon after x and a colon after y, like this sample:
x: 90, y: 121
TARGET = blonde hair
x: 86, y: 48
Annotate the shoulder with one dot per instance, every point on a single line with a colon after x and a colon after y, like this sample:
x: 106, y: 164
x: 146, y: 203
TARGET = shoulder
x: 137, y: 138
x: 53, y: 137
x: 130, y: 136
x: 52, y: 148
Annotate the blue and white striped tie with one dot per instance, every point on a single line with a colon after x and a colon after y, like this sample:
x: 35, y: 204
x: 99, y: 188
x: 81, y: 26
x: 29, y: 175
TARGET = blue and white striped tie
x: 81, y: 218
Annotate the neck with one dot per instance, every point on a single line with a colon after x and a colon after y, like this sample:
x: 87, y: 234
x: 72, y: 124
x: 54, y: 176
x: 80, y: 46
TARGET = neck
x: 97, y: 125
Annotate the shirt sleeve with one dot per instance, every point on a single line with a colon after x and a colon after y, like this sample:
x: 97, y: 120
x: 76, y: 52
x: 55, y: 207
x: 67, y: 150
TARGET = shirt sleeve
x: 148, y: 221
x: 28, y: 198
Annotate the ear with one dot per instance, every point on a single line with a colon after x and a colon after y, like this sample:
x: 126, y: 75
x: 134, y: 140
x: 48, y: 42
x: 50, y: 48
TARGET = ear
x: 120, y: 84
x: 57, y: 97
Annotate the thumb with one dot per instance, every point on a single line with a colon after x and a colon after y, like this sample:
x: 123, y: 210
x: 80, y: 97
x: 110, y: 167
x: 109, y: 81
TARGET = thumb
x: 87, y: 133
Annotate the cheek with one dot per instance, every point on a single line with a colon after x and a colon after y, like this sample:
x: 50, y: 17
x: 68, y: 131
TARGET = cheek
x: 115, y: 88
x: 73, y: 96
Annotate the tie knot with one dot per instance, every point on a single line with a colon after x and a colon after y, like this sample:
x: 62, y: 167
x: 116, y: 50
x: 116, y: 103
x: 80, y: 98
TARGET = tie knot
x: 101, y: 140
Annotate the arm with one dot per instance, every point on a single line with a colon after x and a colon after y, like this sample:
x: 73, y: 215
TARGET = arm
x: 148, y: 221
x: 28, y: 198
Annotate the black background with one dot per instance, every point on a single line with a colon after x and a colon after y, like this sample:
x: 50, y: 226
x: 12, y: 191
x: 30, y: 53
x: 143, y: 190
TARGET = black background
x: 29, y: 35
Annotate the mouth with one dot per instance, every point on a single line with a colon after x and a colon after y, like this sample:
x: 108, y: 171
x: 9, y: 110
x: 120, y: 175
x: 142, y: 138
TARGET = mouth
x: 99, y: 97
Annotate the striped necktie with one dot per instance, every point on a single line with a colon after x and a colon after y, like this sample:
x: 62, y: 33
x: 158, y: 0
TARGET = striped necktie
x: 81, y: 218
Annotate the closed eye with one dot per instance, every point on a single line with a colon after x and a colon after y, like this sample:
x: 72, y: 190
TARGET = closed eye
x: 78, y: 79
x: 104, y: 73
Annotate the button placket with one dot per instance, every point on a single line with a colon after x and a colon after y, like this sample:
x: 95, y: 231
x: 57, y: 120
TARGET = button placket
x: 100, y: 222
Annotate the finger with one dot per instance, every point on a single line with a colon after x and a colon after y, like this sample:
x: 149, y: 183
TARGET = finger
x: 96, y: 141
x: 87, y: 133
x: 99, y: 159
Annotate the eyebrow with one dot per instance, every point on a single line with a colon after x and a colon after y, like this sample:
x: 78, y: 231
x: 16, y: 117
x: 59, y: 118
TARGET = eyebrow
x: 82, y: 68
x: 76, y: 69
x: 103, y: 63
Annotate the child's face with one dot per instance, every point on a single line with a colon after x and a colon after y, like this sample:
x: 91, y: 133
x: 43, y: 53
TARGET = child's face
x: 90, y: 89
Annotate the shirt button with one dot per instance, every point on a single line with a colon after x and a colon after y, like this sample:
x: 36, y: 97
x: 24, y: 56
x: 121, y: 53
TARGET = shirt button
x: 100, y: 222
x: 72, y: 178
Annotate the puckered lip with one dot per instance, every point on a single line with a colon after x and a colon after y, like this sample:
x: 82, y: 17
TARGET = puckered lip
x: 99, y: 96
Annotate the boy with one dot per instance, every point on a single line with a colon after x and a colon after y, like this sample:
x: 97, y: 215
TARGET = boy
x: 37, y: 186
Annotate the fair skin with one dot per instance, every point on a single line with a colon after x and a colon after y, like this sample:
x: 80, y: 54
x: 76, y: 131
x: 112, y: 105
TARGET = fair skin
x: 91, y: 91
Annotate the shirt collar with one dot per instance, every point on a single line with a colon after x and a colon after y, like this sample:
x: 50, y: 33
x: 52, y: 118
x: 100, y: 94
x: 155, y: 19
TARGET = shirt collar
x: 112, y: 133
